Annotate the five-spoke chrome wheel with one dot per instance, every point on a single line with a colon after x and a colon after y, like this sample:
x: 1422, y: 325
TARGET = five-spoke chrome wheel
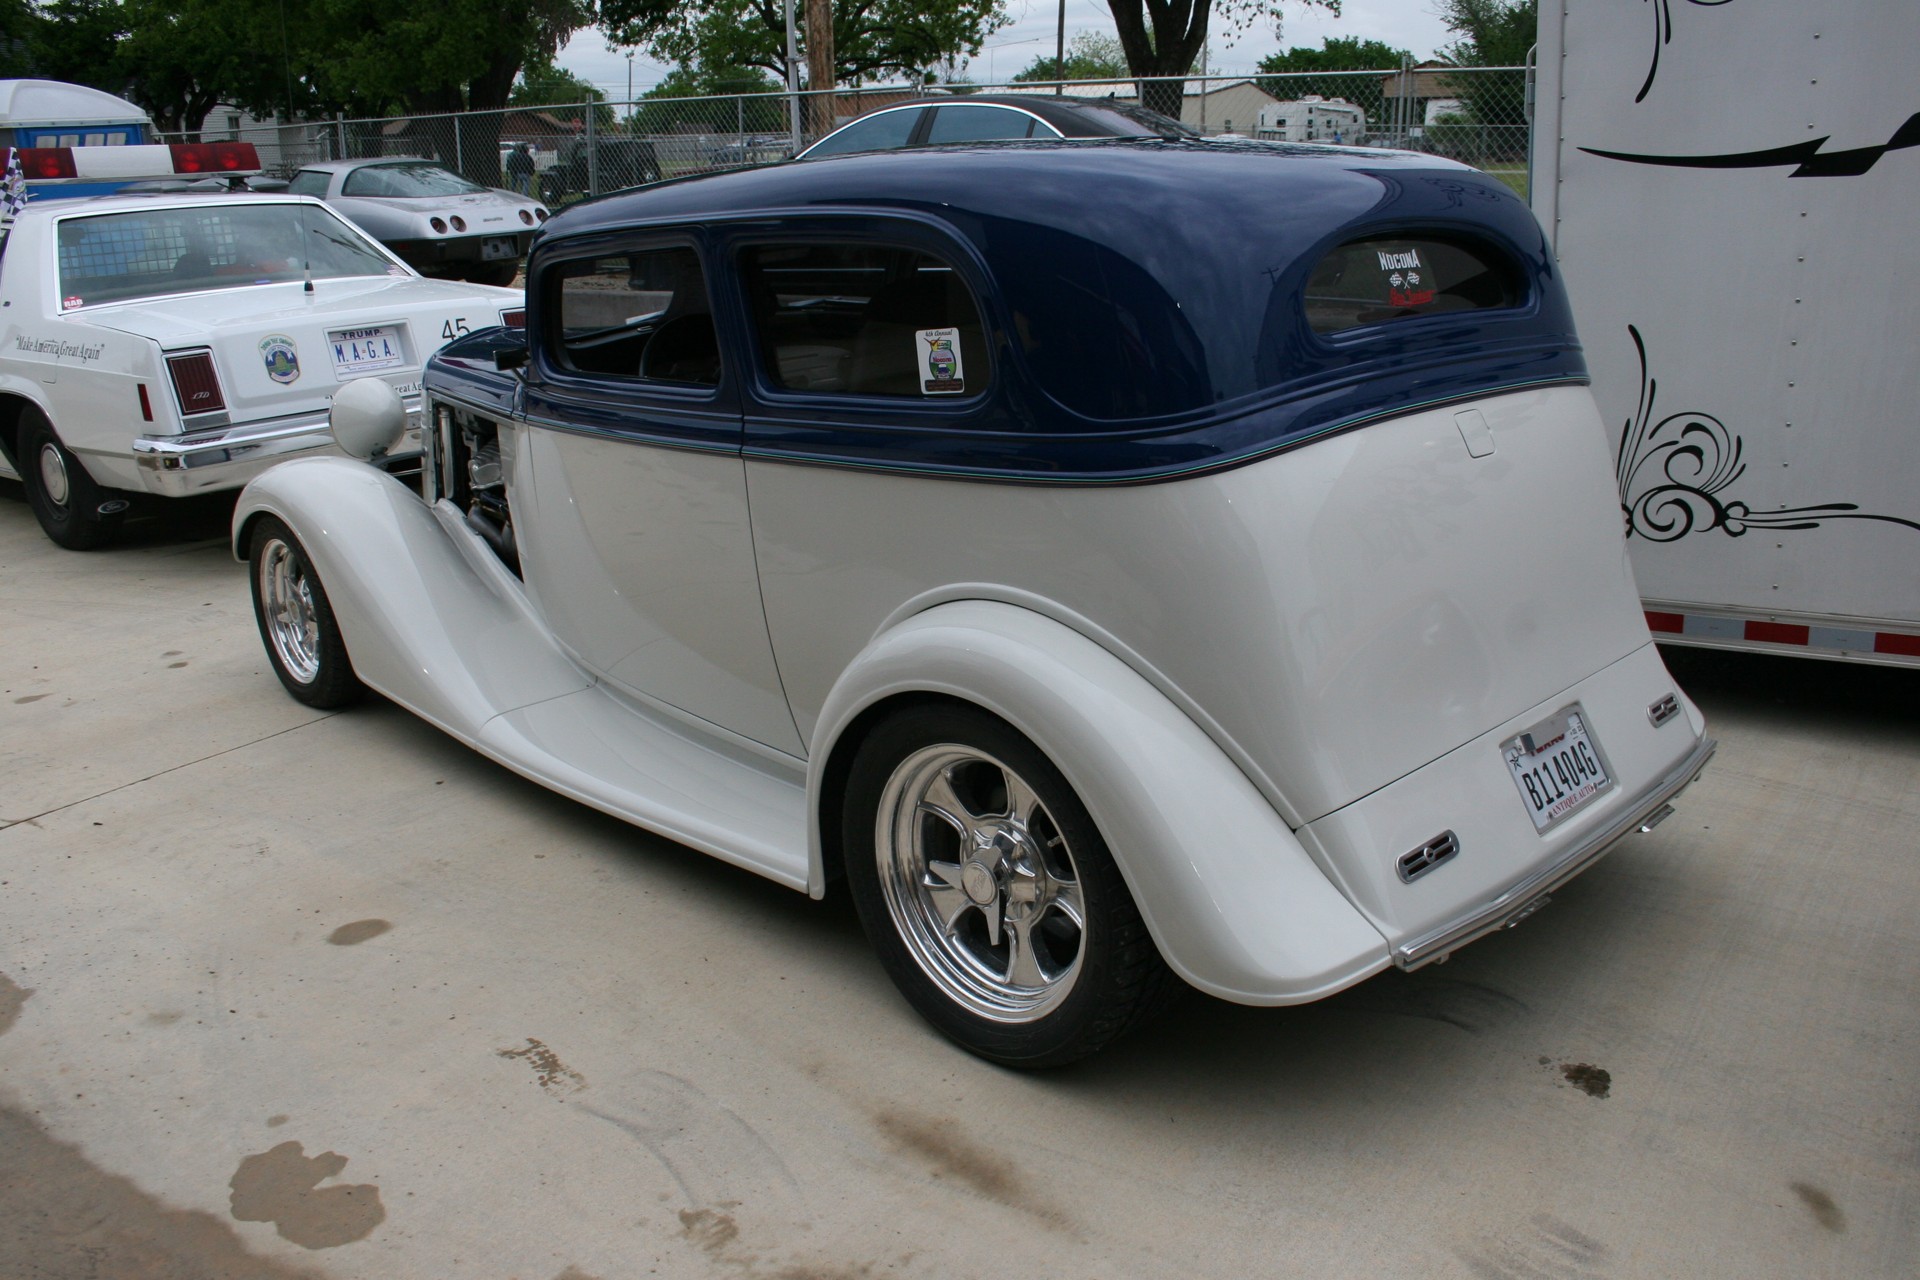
x: 980, y: 882
x: 988, y: 892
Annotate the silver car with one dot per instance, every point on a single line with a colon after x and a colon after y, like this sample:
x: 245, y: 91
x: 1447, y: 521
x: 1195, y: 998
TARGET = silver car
x: 441, y: 223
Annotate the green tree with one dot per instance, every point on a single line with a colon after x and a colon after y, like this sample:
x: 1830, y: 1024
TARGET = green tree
x: 1493, y: 33
x: 1163, y: 39
x: 871, y: 38
x: 714, y: 107
x: 1091, y: 55
x: 1336, y: 54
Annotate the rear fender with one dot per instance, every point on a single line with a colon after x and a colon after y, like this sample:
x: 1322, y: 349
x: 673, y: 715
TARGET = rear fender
x: 1235, y: 904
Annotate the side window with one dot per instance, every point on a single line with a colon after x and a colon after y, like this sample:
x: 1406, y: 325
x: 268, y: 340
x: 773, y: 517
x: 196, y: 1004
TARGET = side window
x: 881, y: 132
x: 860, y: 319
x: 979, y: 124
x: 638, y: 314
x: 308, y: 182
x: 1373, y: 281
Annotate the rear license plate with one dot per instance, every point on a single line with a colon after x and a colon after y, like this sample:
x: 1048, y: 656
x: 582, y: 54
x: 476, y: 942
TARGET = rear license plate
x: 358, y: 351
x: 499, y: 248
x: 1557, y: 765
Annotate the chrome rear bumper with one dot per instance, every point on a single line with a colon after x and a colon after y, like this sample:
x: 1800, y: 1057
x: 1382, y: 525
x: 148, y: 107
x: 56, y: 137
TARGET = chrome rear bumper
x: 1529, y: 895
x: 226, y: 458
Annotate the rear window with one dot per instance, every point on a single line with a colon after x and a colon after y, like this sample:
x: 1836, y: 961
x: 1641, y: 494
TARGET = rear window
x: 1368, y: 282
x: 211, y: 246
x: 406, y: 181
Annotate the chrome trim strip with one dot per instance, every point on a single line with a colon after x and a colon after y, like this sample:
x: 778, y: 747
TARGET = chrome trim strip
x: 175, y: 466
x: 1520, y: 900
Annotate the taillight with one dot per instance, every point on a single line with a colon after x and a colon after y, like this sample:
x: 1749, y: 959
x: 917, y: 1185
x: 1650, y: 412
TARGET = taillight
x: 195, y: 383
x: 459, y: 223
x: 46, y: 162
x: 514, y: 319
x: 540, y: 214
x: 439, y: 225
x: 526, y: 216
x: 214, y: 157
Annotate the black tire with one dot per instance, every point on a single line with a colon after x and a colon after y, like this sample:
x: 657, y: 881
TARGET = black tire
x: 296, y: 620
x: 65, y: 499
x: 1024, y: 853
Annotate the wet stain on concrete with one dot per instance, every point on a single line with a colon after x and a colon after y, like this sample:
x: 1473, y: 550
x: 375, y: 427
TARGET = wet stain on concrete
x: 712, y: 1230
x: 953, y: 1156
x: 12, y: 997
x: 282, y: 1186
x: 61, y: 1217
x: 575, y: 1273
x: 1595, y: 1082
x: 164, y: 1018
x: 1547, y: 1249
x: 274, y: 1122
x: 553, y: 1075
x: 352, y: 935
x: 32, y: 697
x: 175, y: 666
x: 1821, y: 1205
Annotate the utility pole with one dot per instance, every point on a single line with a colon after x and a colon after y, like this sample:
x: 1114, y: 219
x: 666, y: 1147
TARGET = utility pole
x: 793, y: 80
x: 1060, y: 52
x: 820, y: 76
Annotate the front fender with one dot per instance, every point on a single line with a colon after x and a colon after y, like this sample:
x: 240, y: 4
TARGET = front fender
x: 430, y: 618
x: 1234, y: 902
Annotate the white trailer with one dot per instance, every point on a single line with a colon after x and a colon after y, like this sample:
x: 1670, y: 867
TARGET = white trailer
x: 1731, y: 190
x: 1311, y: 118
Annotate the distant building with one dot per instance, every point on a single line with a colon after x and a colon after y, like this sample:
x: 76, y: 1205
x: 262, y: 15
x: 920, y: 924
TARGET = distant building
x: 1312, y: 118
x: 1226, y: 108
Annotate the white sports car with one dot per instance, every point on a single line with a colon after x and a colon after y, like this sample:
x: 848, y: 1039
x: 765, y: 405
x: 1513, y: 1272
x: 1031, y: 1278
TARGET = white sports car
x: 440, y: 222
x: 178, y: 344
x: 1113, y: 564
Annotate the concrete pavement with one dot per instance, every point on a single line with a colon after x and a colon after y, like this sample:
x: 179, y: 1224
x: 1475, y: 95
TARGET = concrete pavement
x: 285, y: 993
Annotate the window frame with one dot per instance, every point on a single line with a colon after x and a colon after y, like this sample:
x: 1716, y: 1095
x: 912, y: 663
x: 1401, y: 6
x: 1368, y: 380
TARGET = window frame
x: 897, y: 234
x: 550, y: 361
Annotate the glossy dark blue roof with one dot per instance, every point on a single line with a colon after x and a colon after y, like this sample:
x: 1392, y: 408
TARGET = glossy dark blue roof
x: 1202, y: 252
x: 1051, y: 182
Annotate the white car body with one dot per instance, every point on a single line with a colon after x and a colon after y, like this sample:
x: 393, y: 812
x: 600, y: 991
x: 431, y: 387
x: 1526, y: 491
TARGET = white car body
x: 1273, y: 684
x: 90, y: 367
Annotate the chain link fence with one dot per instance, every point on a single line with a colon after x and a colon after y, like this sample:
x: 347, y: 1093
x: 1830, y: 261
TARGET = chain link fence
x: 1479, y: 115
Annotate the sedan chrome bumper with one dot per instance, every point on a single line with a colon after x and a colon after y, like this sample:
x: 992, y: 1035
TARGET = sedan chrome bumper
x: 228, y: 457
x: 1528, y: 896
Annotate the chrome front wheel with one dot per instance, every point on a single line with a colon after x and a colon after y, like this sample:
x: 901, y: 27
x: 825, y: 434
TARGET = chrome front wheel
x: 297, y: 625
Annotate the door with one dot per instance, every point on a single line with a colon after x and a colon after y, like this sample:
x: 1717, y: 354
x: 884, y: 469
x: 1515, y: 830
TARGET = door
x: 636, y: 542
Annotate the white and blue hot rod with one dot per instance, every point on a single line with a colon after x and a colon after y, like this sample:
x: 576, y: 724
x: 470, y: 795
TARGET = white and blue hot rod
x: 1116, y: 564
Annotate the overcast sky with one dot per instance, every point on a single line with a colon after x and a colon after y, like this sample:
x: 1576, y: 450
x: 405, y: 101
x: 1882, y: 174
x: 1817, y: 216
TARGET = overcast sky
x: 1406, y: 24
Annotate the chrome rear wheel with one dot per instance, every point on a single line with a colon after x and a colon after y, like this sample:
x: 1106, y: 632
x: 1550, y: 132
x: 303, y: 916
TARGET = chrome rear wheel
x: 297, y: 625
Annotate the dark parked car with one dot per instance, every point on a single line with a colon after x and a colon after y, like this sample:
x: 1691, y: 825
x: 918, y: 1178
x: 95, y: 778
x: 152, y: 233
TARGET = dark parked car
x: 618, y: 163
x: 928, y: 122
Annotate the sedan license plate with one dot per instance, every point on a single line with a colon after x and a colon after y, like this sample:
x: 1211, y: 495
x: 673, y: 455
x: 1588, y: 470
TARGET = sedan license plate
x: 1557, y: 765
x: 358, y: 351
x: 499, y: 248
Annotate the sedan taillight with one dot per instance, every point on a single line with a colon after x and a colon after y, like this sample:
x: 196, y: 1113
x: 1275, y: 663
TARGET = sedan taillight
x: 195, y: 383
x: 526, y: 217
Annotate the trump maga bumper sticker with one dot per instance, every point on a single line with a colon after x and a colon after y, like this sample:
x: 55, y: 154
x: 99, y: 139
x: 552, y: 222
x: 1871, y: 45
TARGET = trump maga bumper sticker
x: 939, y: 362
x: 280, y: 356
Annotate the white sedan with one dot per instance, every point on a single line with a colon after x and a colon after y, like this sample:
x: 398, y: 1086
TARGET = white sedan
x: 179, y: 344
